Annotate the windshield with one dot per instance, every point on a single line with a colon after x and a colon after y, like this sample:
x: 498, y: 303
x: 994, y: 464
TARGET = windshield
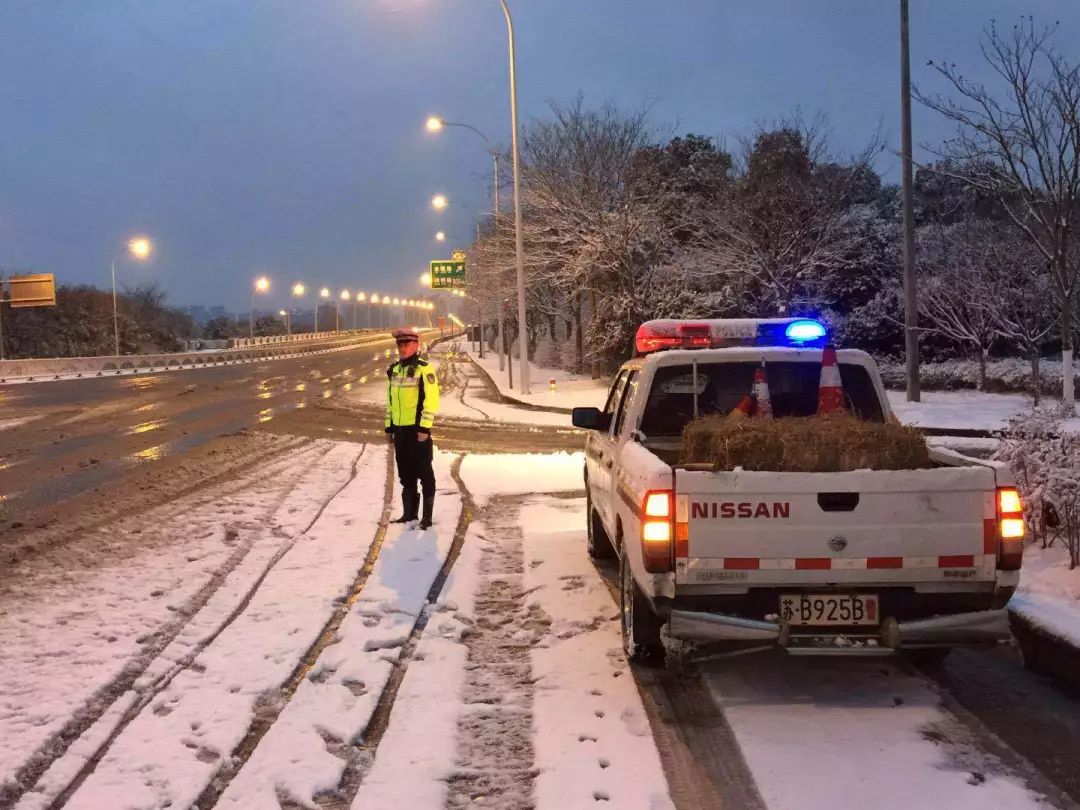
x: 793, y: 389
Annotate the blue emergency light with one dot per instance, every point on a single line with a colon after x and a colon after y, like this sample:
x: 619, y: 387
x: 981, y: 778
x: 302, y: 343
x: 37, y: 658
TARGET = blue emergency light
x: 804, y: 331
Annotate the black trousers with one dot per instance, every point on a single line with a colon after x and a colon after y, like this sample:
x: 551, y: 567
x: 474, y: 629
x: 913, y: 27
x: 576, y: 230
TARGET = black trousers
x: 413, y: 459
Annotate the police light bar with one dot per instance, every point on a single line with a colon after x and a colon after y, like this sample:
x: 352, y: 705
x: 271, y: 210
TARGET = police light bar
x: 654, y: 336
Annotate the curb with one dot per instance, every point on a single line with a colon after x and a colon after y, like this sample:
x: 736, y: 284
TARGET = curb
x: 1044, y: 653
x: 518, y: 403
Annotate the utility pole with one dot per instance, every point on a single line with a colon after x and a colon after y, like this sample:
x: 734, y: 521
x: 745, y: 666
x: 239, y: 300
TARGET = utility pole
x: 911, y: 299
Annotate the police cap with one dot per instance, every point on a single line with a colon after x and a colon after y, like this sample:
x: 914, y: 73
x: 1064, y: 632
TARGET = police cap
x: 406, y: 336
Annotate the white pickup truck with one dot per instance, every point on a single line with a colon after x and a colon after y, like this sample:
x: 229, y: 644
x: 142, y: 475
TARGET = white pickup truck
x: 854, y: 563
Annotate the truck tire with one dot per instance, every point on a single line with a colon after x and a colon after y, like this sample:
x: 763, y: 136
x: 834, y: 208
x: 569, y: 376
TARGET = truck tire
x: 640, y: 626
x: 599, y: 544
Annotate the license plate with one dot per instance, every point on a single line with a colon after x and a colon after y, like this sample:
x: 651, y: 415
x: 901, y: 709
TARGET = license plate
x: 829, y: 609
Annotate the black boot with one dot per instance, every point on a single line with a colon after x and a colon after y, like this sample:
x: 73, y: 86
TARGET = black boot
x: 429, y: 507
x: 408, y: 507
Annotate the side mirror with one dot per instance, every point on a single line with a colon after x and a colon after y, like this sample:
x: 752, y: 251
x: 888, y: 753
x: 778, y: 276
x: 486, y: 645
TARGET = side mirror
x: 590, y: 419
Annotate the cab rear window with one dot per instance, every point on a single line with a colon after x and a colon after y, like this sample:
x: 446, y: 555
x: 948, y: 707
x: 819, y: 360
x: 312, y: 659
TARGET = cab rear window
x: 793, y: 389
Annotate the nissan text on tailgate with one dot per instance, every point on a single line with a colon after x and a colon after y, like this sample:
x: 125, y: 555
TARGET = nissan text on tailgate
x: 868, y: 562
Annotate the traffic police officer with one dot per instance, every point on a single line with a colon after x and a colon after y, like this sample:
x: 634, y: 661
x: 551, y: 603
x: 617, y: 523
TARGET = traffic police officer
x: 412, y: 400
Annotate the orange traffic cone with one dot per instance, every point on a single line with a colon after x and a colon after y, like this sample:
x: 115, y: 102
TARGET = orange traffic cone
x: 761, y: 394
x: 830, y: 388
x: 744, y: 410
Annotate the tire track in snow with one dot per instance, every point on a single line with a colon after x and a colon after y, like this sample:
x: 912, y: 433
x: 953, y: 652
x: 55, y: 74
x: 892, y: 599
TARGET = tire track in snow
x: 265, y: 718
x: 360, y: 756
x: 99, y: 704
x: 702, y: 760
x: 495, y: 733
x: 163, y: 681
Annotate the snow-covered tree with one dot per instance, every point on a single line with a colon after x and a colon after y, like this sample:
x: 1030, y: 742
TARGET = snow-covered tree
x: 1022, y: 145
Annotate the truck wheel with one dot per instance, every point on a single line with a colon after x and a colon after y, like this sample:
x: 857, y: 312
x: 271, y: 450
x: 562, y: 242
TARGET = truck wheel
x: 599, y: 545
x: 640, y: 626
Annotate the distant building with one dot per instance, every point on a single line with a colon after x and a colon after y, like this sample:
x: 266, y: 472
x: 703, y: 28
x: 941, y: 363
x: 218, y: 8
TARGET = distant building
x: 199, y: 314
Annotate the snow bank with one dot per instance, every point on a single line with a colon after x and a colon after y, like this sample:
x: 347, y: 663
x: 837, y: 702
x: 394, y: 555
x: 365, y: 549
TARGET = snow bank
x: 966, y: 410
x: 522, y: 474
x: 571, y: 390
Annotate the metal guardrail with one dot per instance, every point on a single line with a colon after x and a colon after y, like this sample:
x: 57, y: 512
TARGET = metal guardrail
x: 246, y: 350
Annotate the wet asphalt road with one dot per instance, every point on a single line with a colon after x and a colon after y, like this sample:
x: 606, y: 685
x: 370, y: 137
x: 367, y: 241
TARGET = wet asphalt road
x: 80, y: 434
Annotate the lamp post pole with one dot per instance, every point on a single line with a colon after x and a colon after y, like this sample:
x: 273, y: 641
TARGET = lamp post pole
x: 911, y: 300
x: 115, y: 319
x: 519, y: 236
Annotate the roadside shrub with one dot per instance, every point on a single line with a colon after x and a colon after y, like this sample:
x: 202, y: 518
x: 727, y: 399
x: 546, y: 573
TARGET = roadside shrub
x: 1045, y: 459
x: 1005, y: 376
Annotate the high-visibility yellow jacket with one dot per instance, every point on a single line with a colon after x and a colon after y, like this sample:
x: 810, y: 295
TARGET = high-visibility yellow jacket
x: 412, y: 396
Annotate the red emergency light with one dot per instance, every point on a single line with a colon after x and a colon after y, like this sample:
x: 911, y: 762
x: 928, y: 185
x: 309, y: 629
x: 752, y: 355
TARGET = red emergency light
x: 654, y: 336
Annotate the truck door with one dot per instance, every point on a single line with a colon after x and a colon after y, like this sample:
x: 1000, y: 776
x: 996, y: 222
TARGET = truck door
x: 610, y: 444
x: 597, y: 445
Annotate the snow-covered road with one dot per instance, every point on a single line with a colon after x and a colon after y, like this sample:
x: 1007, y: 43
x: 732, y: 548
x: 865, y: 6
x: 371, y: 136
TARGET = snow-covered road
x: 274, y: 643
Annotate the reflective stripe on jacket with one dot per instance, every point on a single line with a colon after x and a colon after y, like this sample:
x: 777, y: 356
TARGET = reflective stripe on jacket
x: 412, y: 395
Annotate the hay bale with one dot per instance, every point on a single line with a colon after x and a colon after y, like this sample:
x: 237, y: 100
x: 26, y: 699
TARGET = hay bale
x: 832, y: 443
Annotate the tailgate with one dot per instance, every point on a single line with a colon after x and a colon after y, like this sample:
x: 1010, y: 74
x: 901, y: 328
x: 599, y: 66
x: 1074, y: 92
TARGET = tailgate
x: 851, y: 527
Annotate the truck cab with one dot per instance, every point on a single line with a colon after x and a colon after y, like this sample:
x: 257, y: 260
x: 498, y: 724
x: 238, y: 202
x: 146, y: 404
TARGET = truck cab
x: 866, y: 562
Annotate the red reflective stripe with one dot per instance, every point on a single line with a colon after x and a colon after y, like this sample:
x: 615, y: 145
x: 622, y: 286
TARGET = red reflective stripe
x: 813, y: 563
x: 884, y: 562
x: 742, y: 563
x: 990, y: 536
x: 957, y: 561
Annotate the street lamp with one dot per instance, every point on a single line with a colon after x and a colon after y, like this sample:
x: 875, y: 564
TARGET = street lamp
x: 298, y: 291
x: 361, y: 298
x: 288, y: 321
x: 440, y: 237
x: 439, y: 202
x: 345, y: 296
x: 435, y: 124
x: 262, y: 284
x: 425, y: 280
x: 323, y: 293
x: 138, y: 248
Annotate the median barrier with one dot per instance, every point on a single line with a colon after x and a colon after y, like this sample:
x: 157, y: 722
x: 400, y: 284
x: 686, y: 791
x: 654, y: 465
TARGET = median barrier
x: 245, y: 350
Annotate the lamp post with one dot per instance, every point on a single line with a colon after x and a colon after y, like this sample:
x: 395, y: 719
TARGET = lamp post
x: 360, y: 299
x: 434, y: 124
x: 345, y: 296
x: 298, y: 291
x: 138, y: 248
x: 323, y: 293
x: 519, y: 236
x: 288, y: 321
x: 262, y: 284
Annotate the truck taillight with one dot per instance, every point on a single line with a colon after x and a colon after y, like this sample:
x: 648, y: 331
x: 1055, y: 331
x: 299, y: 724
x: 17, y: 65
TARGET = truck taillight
x: 1011, y: 529
x: 657, y: 530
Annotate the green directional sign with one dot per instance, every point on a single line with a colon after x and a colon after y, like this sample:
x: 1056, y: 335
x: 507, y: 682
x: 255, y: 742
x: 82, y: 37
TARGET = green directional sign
x: 448, y: 274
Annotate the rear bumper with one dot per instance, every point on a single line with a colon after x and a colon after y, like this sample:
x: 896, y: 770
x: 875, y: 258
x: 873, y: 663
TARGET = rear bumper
x: 979, y: 627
